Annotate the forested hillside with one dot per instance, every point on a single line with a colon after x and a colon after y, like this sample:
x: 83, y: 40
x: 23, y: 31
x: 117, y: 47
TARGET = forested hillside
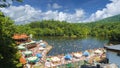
x: 115, y: 18
x: 103, y: 28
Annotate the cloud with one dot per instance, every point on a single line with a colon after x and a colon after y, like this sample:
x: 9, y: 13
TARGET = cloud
x: 56, y: 6
x: 7, y: 3
x: 25, y: 14
x: 111, y: 9
x: 21, y: 14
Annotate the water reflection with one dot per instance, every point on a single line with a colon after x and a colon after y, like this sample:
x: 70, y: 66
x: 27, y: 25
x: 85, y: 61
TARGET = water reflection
x: 68, y: 45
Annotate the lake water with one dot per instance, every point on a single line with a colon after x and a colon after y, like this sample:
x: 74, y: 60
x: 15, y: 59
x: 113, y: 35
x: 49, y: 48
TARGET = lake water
x: 68, y: 45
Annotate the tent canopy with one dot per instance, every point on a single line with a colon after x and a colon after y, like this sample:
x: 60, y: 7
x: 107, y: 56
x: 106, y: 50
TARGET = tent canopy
x: 27, y: 43
x: 41, y: 48
x: 28, y: 52
x: 21, y: 47
x: 77, y: 54
x: 39, y: 55
x: 32, y: 42
x: 98, y: 51
x: 86, y: 53
x: 48, y: 59
x: 42, y: 44
x: 32, y: 59
x: 41, y: 41
x: 22, y: 60
x: 55, y: 59
x: 22, y: 44
x: 68, y: 57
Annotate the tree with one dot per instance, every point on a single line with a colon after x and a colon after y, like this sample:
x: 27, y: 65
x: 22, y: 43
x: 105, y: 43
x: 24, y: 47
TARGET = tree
x: 8, y: 52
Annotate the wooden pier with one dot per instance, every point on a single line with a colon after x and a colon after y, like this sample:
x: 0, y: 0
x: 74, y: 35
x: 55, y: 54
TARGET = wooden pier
x: 46, y: 51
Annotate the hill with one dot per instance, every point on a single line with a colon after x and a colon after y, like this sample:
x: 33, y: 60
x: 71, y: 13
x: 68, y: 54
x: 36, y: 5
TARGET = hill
x: 115, y: 18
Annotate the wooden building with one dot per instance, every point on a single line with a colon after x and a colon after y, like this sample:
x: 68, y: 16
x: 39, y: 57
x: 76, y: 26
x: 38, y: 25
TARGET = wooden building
x: 21, y: 38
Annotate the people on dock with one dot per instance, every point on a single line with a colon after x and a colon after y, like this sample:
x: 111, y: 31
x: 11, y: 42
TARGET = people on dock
x: 48, y: 63
x: 88, y: 56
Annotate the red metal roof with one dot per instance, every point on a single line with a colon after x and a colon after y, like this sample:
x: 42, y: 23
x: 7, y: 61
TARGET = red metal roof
x: 20, y: 36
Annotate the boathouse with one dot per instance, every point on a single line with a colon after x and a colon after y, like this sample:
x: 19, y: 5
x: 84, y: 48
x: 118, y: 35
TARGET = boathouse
x: 113, y: 54
x: 21, y: 38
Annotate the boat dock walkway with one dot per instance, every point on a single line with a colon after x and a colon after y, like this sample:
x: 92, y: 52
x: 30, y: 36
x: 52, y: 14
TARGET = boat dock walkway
x: 45, y: 52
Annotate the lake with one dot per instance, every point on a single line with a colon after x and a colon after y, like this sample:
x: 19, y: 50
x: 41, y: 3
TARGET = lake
x: 68, y: 45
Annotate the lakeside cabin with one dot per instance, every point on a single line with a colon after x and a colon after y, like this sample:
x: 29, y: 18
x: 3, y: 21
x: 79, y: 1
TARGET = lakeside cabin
x: 113, y: 54
x: 21, y: 38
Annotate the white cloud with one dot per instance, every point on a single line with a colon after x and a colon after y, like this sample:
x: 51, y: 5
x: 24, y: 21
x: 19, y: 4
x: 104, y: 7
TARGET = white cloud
x: 22, y: 14
x: 7, y: 3
x: 26, y: 14
x: 56, y: 6
x: 111, y: 9
x: 79, y: 12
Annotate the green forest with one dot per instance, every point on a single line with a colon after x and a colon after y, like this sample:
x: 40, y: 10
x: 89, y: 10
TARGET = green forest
x: 107, y: 28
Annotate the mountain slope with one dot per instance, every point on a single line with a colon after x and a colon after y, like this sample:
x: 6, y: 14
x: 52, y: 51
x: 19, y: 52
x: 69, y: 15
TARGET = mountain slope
x: 115, y: 18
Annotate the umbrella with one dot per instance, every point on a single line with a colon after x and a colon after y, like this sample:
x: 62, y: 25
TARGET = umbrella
x: 55, y: 59
x: 32, y: 42
x: 32, y: 59
x: 22, y: 44
x: 27, y: 43
x: 86, y: 53
x: 97, y: 59
x: 43, y: 45
x: 21, y: 47
x: 28, y: 52
x: 77, y: 55
x: 22, y: 60
x: 68, y: 57
x: 39, y: 55
x: 48, y: 59
x: 98, y: 51
x: 41, y: 41
x: 69, y: 65
x: 41, y: 48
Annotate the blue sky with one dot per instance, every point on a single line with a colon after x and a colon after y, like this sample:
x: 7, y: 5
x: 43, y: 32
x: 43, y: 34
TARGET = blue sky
x: 63, y: 10
x: 69, y: 6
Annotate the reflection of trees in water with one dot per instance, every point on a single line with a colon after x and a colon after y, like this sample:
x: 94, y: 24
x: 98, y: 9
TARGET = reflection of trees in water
x: 65, y: 45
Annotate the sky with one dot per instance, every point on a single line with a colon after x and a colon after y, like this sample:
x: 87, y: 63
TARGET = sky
x: 73, y: 11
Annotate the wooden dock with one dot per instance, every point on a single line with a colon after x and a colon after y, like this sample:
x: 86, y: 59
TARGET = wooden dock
x: 46, y: 51
x: 44, y: 55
